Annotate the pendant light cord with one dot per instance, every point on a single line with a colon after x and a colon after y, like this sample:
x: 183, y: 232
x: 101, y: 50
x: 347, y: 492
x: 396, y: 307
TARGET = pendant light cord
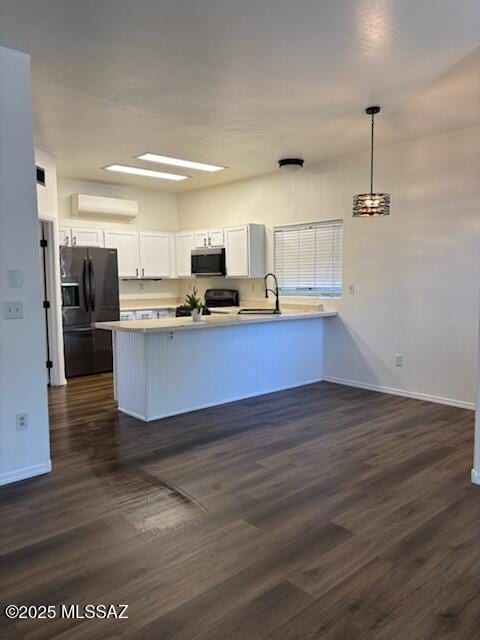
x: 371, y: 158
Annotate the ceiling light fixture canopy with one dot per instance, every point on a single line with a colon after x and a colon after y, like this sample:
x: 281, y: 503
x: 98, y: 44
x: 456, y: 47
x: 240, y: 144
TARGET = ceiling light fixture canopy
x: 177, y: 162
x: 290, y: 164
x: 148, y: 173
x: 366, y: 205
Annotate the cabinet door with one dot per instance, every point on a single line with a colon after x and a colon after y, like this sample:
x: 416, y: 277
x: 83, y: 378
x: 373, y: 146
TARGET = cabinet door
x: 82, y: 237
x: 64, y: 236
x: 126, y: 244
x: 236, y: 251
x: 201, y: 239
x: 215, y: 238
x: 127, y: 315
x: 144, y: 314
x: 184, y: 242
x: 155, y: 255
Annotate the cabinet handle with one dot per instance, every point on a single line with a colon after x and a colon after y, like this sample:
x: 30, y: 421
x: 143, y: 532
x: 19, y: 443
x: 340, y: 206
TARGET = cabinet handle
x: 136, y: 271
x: 209, y: 241
x: 143, y: 272
x: 205, y: 242
x: 74, y: 240
x: 67, y: 241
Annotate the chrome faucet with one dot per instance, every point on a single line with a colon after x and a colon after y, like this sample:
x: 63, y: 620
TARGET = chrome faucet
x: 274, y: 291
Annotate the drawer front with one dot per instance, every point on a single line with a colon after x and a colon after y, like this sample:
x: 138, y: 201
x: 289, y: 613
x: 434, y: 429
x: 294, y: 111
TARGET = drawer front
x: 144, y: 315
x: 127, y: 315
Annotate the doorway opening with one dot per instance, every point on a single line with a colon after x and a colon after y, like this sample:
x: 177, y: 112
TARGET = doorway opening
x: 45, y: 297
x: 50, y: 295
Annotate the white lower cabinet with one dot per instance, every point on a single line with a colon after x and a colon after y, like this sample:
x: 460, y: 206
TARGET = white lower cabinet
x: 184, y: 243
x: 163, y: 313
x: 147, y: 314
x: 144, y: 314
x: 126, y: 244
x: 127, y: 315
x: 245, y: 251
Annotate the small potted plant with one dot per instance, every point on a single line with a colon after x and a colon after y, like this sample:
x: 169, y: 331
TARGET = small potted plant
x: 195, y: 305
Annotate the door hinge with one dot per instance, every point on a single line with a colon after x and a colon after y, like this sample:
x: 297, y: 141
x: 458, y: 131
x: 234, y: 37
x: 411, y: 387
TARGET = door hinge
x: 46, y: 304
x: 43, y: 243
x: 49, y: 364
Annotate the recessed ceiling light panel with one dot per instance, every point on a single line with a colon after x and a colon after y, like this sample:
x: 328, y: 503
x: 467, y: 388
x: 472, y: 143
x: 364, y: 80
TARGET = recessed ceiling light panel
x: 148, y: 173
x: 177, y: 162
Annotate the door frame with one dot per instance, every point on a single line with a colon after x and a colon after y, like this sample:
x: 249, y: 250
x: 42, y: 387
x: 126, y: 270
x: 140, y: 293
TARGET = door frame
x: 54, y: 313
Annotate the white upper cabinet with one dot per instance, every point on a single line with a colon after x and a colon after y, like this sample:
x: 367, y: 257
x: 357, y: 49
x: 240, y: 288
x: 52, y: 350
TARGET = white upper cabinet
x: 216, y: 238
x: 154, y: 254
x: 201, y: 239
x: 155, y: 251
x: 64, y: 236
x: 143, y: 255
x: 82, y: 237
x: 184, y: 243
x: 126, y: 244
x: 245, y: 251
x: 209, y: 238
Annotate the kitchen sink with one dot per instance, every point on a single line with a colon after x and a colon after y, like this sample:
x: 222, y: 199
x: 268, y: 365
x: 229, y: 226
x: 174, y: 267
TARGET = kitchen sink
x: 260, y: 311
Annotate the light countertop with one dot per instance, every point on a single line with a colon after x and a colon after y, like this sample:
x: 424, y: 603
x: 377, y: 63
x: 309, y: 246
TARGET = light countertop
x: 209, y: 322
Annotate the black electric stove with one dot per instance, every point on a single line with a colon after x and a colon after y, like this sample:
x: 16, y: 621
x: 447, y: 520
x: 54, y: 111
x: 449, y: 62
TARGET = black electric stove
x: 216, y: 298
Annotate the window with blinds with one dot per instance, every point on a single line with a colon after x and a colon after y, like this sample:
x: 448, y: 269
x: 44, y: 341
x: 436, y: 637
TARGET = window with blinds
x: 308, y: 259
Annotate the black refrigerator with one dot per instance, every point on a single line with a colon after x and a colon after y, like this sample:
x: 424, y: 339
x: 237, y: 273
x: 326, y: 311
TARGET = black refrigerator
x: 89, y: 278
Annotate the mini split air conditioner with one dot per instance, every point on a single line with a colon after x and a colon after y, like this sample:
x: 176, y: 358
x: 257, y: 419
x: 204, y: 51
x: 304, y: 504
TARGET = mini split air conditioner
x: 100, y: 205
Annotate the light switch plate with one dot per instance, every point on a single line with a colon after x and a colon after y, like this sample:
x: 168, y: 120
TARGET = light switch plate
x: 15, y: 278
x: 13, y: 310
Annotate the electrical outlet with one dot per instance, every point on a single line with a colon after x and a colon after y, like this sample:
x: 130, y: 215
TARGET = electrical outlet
x: 21, y: 421
x: 399, y: 360
x: 252, y: 287
x: 351, y: 289
x: 13, y: 310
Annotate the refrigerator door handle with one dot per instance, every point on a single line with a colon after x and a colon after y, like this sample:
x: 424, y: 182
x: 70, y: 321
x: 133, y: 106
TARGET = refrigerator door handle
x: 86, y: 290
x: 92, y: 283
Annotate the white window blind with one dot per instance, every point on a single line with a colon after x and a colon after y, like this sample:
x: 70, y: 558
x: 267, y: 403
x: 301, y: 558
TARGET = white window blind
x: 308, y: 259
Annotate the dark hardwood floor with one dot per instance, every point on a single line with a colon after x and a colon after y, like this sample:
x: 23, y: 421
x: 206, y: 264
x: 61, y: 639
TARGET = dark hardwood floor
x: 324, y: 512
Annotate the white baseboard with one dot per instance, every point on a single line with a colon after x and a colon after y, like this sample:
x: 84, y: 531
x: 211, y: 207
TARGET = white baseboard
x: 26, y: 472
x: 475, y: 476
x: 462, y: 404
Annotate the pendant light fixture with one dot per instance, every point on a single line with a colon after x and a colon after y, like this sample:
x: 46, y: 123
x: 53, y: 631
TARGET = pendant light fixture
x: 370, y: 204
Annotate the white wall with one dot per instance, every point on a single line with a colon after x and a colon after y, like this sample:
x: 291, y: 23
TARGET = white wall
x: 416, y: 272
x: 23, y: 382
x: 157, y: 212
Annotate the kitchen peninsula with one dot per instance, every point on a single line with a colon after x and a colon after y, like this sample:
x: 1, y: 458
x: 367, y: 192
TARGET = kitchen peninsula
x: 174, y: 365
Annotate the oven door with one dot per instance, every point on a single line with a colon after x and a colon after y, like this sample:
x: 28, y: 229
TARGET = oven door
x: 208, y: 262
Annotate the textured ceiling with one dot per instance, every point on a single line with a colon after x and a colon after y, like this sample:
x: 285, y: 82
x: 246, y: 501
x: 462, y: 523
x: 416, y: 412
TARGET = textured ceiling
x: 240, y: 83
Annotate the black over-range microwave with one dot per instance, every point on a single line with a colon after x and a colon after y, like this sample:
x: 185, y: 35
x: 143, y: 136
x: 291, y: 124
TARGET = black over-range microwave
x: 208, y: 262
